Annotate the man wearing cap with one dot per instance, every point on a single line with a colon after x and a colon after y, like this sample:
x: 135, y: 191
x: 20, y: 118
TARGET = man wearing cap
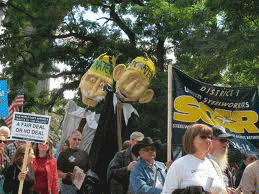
x: 121, y: 165
x: 219, y: 152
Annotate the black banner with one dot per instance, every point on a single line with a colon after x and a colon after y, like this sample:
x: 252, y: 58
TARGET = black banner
x: 235, y: 108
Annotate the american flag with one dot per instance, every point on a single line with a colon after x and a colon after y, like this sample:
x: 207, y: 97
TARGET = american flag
x: 14, y: 107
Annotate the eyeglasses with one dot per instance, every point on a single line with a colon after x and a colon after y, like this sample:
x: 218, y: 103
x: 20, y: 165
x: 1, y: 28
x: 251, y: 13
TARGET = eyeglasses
x: 76, y: 139
x: 2, y: 141
x: 47, y: 143
x: 223, y: 140
x: 252, y: 159
x: 205, y: 137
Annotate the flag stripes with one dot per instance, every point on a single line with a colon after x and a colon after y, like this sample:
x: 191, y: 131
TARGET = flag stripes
x: 14, y: 107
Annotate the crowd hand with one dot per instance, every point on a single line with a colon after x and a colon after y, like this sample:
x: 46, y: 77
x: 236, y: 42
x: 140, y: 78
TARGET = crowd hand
x: 61, y: 174
x: 73, y: 174
x: 231, y: 190
x: 22, y: 175
x: 168, y: 163
x: 131, y: 165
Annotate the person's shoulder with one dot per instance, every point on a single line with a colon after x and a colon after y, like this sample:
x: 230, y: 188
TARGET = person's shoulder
x: 160, y: 164
x: 123, y: 152
x: 253, y: 166
x: 52, y: 159
x: 182, y: 159
x: 65, y: 153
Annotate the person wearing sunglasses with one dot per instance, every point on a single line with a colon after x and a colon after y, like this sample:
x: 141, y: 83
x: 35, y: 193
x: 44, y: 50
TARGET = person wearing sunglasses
x: 4, y: 161
x: 70, y: 158
x: 195, y: 169
x: 148, y: 175
x: 219, y: 154
x: 45, y: 169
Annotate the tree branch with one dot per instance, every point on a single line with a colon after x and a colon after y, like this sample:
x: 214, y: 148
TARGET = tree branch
x: 19, y: 9
x: 67, y: 86
x: 115, y: 17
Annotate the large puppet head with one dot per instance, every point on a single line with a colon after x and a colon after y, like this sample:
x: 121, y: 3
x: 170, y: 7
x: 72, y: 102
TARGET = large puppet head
x: 92, y: 82
x: 132, y: 82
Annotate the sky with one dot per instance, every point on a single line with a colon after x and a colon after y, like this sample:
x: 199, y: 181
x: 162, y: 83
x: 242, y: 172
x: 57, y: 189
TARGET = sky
x: 55, y: 83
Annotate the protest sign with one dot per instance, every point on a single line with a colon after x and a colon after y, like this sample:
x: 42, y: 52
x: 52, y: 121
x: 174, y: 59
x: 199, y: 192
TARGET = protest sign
x: 30, y: 127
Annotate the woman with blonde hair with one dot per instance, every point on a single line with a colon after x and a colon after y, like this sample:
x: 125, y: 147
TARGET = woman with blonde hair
x: 14, y: 173
x: 45, y: 169
x: 195, y: 170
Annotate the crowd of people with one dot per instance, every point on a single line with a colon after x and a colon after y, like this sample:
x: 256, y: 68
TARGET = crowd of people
x: 135, y: 169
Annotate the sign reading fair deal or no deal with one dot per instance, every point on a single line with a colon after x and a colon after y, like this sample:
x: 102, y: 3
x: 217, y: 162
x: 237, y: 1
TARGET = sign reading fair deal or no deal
x: 30, y: 127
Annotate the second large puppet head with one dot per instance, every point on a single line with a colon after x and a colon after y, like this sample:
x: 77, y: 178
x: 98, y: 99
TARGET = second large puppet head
x: 97, y: 76
x: 132, y: 82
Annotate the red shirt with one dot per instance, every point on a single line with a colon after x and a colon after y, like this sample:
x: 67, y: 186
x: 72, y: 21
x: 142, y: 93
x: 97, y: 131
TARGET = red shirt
x: 41, y: 179
x: 46, y: 176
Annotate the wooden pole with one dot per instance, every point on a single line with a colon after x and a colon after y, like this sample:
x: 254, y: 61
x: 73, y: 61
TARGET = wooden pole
x: 169, y: 119
x: 119, y: 125
x: 24, y: 165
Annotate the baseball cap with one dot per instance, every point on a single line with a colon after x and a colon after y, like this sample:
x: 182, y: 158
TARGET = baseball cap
x: 220, y: 132
x: 137, y: 136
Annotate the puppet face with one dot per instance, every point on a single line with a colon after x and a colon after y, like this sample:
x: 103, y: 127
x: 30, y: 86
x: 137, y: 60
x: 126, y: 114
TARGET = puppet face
x: 131, y: 85
x: 99, y: 74
x: 91, y: 87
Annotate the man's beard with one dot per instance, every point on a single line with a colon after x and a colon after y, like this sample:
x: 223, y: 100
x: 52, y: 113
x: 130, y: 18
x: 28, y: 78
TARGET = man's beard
x: 221, y: 159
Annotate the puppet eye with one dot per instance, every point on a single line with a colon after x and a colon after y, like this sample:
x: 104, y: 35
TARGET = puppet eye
x: 92, y: 79
x: 102, y: 84
x: 131, y: 77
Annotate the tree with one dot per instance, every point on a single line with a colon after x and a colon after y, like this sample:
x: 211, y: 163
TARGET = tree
x: 214, y: 41
x: 223, y: 48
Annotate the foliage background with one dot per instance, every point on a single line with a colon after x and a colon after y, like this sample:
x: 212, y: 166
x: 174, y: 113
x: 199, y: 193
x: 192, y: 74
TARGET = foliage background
x: 214, y: 41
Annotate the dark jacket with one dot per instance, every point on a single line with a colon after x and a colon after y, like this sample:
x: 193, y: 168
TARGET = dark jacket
x: 70, y: 158
x: 118, y: 174
x: 11, y: 182
x: 239, y: 174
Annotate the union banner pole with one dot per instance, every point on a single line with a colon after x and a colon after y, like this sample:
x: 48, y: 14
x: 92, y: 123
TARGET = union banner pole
x: 170, y: 108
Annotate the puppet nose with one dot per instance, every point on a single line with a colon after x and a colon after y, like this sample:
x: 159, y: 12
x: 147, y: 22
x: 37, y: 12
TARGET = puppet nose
x: 131, y: 86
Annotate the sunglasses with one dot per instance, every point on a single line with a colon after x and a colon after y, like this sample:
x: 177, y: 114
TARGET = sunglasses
x: 205, y: 137
x: 222, y: 140
x: 2, y: 141
x: 76, y: 139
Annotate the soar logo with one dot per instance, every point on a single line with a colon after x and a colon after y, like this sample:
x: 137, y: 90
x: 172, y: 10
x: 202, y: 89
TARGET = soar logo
x: 188, y: 109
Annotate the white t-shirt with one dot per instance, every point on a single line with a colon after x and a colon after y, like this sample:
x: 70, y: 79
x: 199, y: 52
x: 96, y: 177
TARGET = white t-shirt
x: 191, y: 171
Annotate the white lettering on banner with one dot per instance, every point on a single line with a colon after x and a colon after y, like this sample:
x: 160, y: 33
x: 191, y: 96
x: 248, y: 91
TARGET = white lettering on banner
x: 180, y: 126
x: 243, y: 147
x: 188, y: 91
x: 188, y: 109
x: 221, y: 93
x: 226, y: 104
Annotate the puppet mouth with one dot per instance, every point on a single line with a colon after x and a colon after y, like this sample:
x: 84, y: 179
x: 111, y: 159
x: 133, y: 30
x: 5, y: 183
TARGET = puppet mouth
x: 122, y: 96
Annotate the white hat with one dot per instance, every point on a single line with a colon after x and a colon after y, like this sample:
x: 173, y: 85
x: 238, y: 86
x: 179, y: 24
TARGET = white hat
x: 137, y: 136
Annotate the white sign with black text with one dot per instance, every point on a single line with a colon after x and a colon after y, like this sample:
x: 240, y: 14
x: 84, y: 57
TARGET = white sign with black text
x: 30, y: 127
